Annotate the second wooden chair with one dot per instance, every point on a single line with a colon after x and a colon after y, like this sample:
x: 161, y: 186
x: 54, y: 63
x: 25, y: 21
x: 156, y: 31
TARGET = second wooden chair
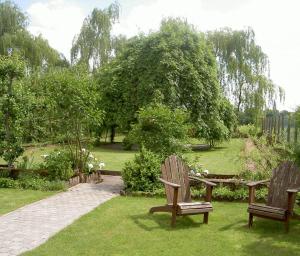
x: 175, y: 176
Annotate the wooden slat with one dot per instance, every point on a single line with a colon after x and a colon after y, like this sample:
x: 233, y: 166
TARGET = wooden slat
x: 195, y: 205
x: 194, y: 211
x: 165, y: 174
x: 181, y: 178
x: 267, y: 214
x: 286, y: 176
x: 174, y: 171
x: 186, y: 169
x: 266, y: 208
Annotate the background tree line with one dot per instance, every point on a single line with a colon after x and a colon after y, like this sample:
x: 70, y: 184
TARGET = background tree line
x: 216, y: 78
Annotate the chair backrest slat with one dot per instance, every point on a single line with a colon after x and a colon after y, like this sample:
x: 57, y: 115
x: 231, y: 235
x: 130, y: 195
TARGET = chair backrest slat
x: 286, y: 176
x: 176, y: 171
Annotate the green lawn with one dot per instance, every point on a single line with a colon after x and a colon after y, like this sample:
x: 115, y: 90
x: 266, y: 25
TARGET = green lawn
x: 11, y: 199
x: 224, y: 159
x: 123, y: 226
x: 113, y: 159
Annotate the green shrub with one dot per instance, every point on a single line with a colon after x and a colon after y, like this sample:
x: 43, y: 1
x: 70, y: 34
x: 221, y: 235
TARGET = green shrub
x: 142, y: 173
x: 255, y: 175
x: 161, y: 130
x: 247, y: 131
x: 33, y: 183
x: 59, y: 165
x: 242, y: 193
x: 26, y: 162
x: 8, y: 183
x: 296, y: 155
x: 219, y: 193
x: 127, y: 143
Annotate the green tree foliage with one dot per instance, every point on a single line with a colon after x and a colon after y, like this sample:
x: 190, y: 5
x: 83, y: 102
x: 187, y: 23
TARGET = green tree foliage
x: 177, y: 62
x: 161, y: 130
x: 297, y: 116
x: 243, y: 70
x: 71, y: 102
x: 94, y: 44
x: 11, y: 69
x: 15, y: 38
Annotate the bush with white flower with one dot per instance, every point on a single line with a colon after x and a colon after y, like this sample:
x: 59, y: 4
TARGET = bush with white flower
x: 58, y: 164
x: 89, y: 162
x: 196, y: 169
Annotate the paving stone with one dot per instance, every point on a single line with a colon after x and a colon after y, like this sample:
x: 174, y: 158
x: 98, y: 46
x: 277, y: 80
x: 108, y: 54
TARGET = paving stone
x: 30, y: 226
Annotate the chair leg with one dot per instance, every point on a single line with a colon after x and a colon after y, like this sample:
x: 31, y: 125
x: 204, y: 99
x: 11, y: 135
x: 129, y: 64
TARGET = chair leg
x: 287, y: 225
x: 205, y: 218
x: 173, y: 222
x: 250, y: 222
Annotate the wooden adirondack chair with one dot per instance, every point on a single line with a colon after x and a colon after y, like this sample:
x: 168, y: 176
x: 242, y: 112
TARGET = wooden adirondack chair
x: 175, y: 176
x: 284, y: 185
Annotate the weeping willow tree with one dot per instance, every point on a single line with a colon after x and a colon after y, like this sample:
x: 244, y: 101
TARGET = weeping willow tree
x: 93, y: 46
x: 244, y: 70
x: 15, y: 38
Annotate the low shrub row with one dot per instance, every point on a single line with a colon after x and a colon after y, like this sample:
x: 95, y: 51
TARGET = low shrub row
x: 219, y: 193
x: 33, y: 183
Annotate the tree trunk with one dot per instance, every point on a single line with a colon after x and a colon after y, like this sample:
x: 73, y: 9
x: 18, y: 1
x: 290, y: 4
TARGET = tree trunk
x: 112, y: 133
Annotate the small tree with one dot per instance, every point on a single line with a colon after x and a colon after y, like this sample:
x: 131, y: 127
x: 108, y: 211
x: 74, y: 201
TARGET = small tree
x: 11, y: 69
x: 74, y: 100
x: 161, y: 130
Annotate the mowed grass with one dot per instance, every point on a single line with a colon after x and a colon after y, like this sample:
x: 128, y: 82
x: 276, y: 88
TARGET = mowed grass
x: 122, y: 226
x: 11, y: 199
x: 223, y: 159
x: 114, y: 159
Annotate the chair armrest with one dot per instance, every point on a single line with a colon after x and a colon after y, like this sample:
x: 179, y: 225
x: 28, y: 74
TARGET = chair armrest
x: 255, y: 183
x: 209, y: 183
x: 293, y: 190
x: 209, y: 187
x: 252, y: 185
x: 291, y: 198
x: 173, y: 185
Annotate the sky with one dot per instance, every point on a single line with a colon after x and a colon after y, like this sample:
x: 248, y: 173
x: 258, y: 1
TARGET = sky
x: 275, y: 23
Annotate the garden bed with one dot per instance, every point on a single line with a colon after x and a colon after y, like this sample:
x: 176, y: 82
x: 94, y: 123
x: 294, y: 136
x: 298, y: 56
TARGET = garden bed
x: 86, y: 178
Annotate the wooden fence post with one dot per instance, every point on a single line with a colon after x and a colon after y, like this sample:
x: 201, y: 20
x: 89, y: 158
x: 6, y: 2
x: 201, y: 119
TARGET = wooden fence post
x: 278, y: 129
x: 289, y: 129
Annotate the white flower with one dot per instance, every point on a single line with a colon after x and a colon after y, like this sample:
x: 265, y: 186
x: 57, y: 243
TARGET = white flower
x: 83, y: 150
x: 44, y: 156
x: 91, y: 156
x: 90, y: 166
x: 206, y: 172
x: 198, y: 174
x: 101, y: 165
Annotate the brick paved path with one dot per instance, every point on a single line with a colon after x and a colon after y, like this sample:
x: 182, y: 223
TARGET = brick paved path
x: 31, y: 225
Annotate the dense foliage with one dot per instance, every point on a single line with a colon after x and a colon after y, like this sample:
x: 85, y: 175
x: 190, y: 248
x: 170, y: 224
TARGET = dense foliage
x: 161, y: 130
x: 243, y: 70
x: 59, y: 165
x: 177, y: 62
x: 143, y: 172
x: 94, y: 45
x: 33, y: 183
x: 157, y: 89
x: 11, y: 69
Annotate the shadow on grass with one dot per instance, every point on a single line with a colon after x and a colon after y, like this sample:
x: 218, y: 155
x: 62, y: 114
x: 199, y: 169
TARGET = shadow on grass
x: 272, y: 238
x: 155, y: 221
